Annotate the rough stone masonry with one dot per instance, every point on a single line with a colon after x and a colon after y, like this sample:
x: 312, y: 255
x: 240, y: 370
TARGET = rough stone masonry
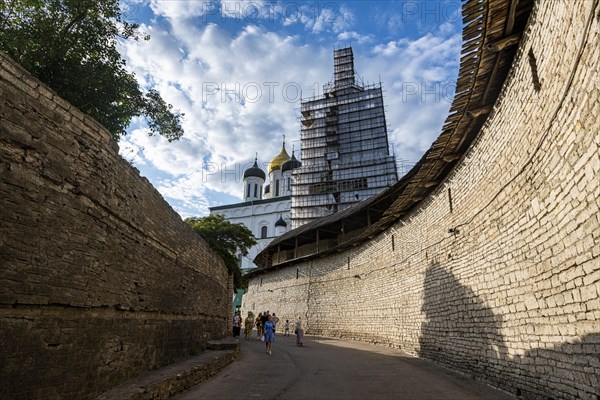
x: 100, y: 280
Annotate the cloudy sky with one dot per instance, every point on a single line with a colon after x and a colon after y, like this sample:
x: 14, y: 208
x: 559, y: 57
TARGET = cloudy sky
x: 238, y: 70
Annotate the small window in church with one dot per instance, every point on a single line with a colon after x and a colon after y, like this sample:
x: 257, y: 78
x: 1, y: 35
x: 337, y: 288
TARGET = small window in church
x: 276, y: 188
x: 263, y: 232
x: 248, y: 195
x: 255, y: 190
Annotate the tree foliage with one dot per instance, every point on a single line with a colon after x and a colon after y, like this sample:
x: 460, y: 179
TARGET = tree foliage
x: 71, y: 45
x: 226, y: 239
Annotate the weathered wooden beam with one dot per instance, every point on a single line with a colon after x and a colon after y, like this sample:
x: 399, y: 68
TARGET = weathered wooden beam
x: 504, y: 42
x: 431, y: 184
x: 480, y: 111
x: 510, y: 20
x: 451, y: 157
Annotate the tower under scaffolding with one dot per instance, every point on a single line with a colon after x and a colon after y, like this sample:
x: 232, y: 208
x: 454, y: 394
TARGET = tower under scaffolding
x: 345, y: 150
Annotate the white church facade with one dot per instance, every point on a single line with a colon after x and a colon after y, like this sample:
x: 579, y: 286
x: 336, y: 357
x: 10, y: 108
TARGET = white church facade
x: 266, y: 208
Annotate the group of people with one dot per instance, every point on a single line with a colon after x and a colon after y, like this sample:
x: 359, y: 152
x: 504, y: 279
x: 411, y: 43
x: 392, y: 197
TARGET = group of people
x: 266, y: 326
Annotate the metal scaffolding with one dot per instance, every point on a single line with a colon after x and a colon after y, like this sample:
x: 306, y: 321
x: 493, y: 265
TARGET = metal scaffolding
x: 345, y: 150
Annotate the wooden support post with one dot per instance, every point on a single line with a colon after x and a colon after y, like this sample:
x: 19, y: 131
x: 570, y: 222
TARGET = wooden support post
x: 317, y: 240
x: 296, y: 247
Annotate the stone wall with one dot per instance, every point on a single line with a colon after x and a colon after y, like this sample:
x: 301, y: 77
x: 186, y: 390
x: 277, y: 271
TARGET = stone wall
x: 100, y: 279
x: 497, y: 273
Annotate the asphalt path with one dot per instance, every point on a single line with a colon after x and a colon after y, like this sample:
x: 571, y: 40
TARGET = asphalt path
x: 331, y: 369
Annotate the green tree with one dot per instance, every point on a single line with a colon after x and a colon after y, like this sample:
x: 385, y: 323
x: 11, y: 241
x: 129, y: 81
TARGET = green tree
x: 71, y: 45
x: 226, y: 239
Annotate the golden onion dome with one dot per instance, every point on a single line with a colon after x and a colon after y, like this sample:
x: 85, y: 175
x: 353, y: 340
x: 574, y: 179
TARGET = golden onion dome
x: 279, y: 159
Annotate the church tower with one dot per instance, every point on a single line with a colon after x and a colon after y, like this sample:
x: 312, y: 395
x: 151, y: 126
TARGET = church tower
x: 266, y: 205
x: 286, y: 170
x: 254, y: 179
x: 276, y: 180
x: 344, y: 142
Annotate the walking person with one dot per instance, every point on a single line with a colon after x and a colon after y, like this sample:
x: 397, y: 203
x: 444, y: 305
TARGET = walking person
x: 258, y: 323
x: 299, y: 332
x: 248, y: 325
x: 286, y: 332
x: 237, y: 322
x: 264, y: 319
x: 269, y: 334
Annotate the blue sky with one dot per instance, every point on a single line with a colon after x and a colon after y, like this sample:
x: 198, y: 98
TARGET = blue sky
x: 238, y: 70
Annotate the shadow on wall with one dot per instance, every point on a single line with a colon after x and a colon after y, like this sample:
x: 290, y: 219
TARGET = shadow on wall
x: 462, y: 333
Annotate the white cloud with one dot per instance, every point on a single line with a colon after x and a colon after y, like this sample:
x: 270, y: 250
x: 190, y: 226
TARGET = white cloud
x: 319, y: 17
x: 189, y: 191
x: 239, y: 95
x: 343, y: 19
x: 421, y: 74
x: 179, y: 9
x: 389, y: 49
x: 336, y: 19
x: 250, y: 11
x: 316, y: 17
x: 354, y: 37
x: 447, y: 28
x: 437, y: 51
x: 132, y: 152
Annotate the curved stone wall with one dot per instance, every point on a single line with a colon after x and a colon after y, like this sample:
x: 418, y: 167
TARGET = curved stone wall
x: 100, y: 280
x: 497, y: 273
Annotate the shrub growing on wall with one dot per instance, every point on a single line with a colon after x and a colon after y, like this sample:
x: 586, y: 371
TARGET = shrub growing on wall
x: 226, y: 239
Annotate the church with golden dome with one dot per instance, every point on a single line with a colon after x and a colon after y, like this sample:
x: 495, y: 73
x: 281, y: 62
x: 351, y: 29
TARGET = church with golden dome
x: 266, y: 205
x: 345, y: 159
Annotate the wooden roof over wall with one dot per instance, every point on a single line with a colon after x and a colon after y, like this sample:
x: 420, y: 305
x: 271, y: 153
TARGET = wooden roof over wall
x: 491, y: 33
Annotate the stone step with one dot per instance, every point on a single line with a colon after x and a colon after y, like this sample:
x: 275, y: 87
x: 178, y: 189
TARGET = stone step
x: 224, y: 344
x: 177, y: 377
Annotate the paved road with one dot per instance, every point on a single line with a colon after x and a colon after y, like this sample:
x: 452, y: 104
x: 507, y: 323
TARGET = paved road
x: 331, y: 369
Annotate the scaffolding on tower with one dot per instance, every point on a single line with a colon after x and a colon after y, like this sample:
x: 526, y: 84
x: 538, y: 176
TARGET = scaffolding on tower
x: 344, y: 143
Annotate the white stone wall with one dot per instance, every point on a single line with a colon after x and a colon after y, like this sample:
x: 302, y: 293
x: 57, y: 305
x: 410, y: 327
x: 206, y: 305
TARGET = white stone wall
x: 255, y: 216
x: 512, y: 298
